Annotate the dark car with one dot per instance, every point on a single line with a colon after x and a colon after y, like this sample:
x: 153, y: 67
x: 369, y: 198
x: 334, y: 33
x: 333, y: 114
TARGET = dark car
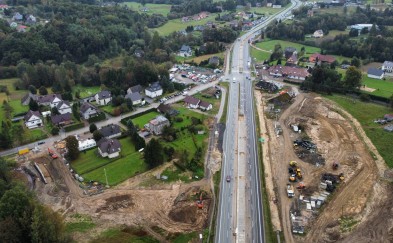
x: 228, y: 178
x: 41, y: 142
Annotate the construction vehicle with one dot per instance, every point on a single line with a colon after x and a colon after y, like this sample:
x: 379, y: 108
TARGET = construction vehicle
x: 52, y: 154
x: 293, y: 163
x: 341, y: 176
x: 301, y: 186
x: 200, y: 202
x: 299, y: 173
x: 290, y: 191
x: 23, y: 151
x: 335, y: 165
x: 292, y: 178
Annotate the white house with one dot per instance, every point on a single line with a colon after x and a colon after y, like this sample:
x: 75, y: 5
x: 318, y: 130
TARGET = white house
x: 33, y: 119
x: 192, y: 102
x: 154, y: 90
x: 103, y: 97
x: 87, y: 110
x: 109, y: 147
x: 318, y: 34
x: 52, y: 100
x: 64, y: 107
x: 203, y: 105
x: 387, y: 66
x: 55, y: 101
x: 86, y: 144
x: 46, y: 113
x: 375, y: 73
x: 185, y: 51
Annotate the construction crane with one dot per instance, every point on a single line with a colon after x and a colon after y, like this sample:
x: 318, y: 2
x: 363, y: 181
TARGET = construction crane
x: 52, y: 154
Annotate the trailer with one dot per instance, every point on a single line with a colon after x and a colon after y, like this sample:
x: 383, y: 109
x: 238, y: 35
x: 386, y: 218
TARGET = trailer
x: 290, y: 191
x: 23, y: 151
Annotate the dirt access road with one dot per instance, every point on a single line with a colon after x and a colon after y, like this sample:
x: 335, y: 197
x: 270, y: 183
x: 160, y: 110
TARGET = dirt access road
x: 358, y: 197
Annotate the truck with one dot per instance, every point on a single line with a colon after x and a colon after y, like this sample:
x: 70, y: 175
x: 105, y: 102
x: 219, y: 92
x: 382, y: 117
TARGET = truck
x: 23, y: 151
x: 290, y: 191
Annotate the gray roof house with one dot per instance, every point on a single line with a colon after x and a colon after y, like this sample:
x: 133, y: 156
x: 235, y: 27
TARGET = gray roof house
x: 62, y: 119
x: 214, y: 60
x: 88, y: 110
x: 157, y: 125
x: 50, y: 99
x: 26, y: 99
x: 135, y: 89
x: 109, y: 147
x: 387, y: 66
x: 288, y: 52
x: 136, y: 98
x: 191, y: 102
x: 103, y: 97
x: 17, y: 16
x: 154, y: 90
x: 110, y: 131
x: 375, y: 73
x: 167, y: 110
x: 185, y: 51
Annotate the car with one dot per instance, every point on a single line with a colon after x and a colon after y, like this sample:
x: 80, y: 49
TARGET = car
x: 41, y: 142
x: 228, y: 178
x: 234, y: 80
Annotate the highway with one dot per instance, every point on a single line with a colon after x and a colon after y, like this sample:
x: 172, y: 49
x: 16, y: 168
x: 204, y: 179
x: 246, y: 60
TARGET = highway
x: 240, y: 210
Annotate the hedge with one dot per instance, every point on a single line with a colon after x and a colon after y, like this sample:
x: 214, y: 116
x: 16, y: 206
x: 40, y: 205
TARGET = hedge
x: 97, y: 118
x: 125, y: 119
x: 73, y: 127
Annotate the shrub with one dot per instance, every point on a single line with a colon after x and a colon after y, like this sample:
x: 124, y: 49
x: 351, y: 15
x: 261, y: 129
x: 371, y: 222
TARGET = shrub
x: 55, y: 131
x: 178, y: 119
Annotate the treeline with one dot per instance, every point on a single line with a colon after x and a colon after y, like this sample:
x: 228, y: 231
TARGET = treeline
x: 191, y: 7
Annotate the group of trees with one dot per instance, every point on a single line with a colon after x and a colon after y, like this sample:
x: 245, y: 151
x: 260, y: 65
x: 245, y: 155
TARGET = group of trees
x: 22, y: 217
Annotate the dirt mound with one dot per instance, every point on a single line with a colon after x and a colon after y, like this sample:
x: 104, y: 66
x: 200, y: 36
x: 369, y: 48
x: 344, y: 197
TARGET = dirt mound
x: 184, y: 214
x: 116, y: 202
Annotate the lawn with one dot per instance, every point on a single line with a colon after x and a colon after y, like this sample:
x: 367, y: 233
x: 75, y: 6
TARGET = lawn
x: 79, y: 223
x: 18, y: 107
x: 215, y: 103
x: 163, y: 9
x: 108, y: 109
x: 124, y: 235
x: 365, y: 113
x: 265, y: 10
x: 204, y: 57
x: 86, y: 91
x: 144, y: 119
x: 186, y: 114
x: 269, y: 46
x: 260, y: 56
x: 384, y: 88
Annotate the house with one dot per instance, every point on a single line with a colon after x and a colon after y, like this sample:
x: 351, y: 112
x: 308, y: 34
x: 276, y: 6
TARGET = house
x: 375, y: 73
x: 319, y: 58
x: 388, y: 117
x: 387, y: 66
x: 288, y: 52
x: 64, y: 107
x: 135, y: 89
x: 136, y: 98
x: 139, y: 53
x: 45, y: 100
x: 3, y: 6
x: 154, y: 90
x: 17, y: 17
x: 46, y: 113
x: 103, y: 97
x: 31, y: 19
x: 86, y: 144
x: 214, y: 60
x: 110, y: 131
x: 185, y: 51
x: 33, y: 119
x: 199, y: 28
x: 167, y: 110
x: 109, y: 147
x: 292, y: 60
x: 13, y: 25
x: 26, y: 99
x: 317, y: 34
x: 62, y: 119
x: 191, y: 102
x: 289, y: 72
x: 157, y: 125
x: 87, y: 110
x: 360, y: 27
x: 203, y: 105
x: 21, y: 28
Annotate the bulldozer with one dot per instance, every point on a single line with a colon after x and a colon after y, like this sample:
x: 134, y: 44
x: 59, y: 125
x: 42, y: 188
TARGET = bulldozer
x: 341, y: 176
x: 301, y: 186
x: 293, y: 163
x: 292, y: 178
x: 299, y: 174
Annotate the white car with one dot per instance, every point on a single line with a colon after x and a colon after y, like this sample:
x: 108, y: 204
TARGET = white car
x: 234, y: 80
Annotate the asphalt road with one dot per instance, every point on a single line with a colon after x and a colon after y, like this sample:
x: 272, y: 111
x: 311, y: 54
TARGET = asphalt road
x: 230, y: 220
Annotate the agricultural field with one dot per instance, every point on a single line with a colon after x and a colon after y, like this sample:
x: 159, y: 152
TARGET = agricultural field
x: 163, y: 9
x: 380, y: 138
x: 13, y: 98
x: 383, y: 88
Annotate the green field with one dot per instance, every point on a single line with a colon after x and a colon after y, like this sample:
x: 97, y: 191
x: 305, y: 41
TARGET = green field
x: 144, y: 119
x: 86, y: 91
x: 186, y: 114
x: 269, y: 46
x: 125, y: 235
x: 18, y: 107
x: 384, y: 88
x: 260, y: 56
x: 163, y: 9
x: 366, y: 113
x: 265, y: 10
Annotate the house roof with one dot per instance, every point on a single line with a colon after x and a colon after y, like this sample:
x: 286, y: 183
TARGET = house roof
x: 31, y: 113
x: 47, y: 98
x: 27, y: 96
x: 109, y: 146
x: 133, y: 96
x: 214, y: 60
x: 191, y: 100
x: 135, y: 89
x: 375, y: 71
x: 110, y: 130
x: 167, y: 109
x: 104, y: 94
x: 63, y: 102
x: 204, y: 104
x: 288, y: 70
x: 159, y: 120
x: 86, y: 106
x: 322, y: 58
x: 154, y: 87
x: 57, y: 119
x: 290, y: 49
x: 185, y: 48
x: 388, y: 64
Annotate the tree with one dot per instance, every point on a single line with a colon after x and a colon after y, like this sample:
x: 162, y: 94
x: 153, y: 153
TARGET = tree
x: 97, y: 135
x: 154, y: 153
x: 55, y: 131
x: 139, y: 142
x: 355, y: 62
x: 55, y: 111
x: 353, y: 78
x: 33, y: 105
x: 373, y: 31
x: 129, y: 104
x: 32, y: 89
x: 42, y: 90
x: 72, y: 147
x: 131, y: 127
x: 93, y: 128
x: 391, y: 102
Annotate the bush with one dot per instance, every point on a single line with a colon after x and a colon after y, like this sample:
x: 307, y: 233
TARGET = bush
x: 55, y: 131
x: 178, y: 119
x: 364, y: 97
x: 73, y: 127
x: 101, y: 116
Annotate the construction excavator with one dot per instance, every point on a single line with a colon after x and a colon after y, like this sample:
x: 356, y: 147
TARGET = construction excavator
x: 301, y: 186
x: 200, y: 201
x: 52, y: 154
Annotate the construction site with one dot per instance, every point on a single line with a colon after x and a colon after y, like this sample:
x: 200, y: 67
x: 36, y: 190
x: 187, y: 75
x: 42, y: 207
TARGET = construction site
x: 325, y: 180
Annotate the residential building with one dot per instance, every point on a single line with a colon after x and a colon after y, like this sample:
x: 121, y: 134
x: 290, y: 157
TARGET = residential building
x: 33, y: 119
x: 26, y: 99
x: 185, y: 51
x: 203, y: 105
x: 110, y: 131
x: 136, y: 98
x: 317, y: 34
x: 360, y: 27
x: 154, y: 90
x: 31, y: 19
x: 21, y: 28
x: 86, y: 144
x: 157, y: 125
x: 46, y: 113
x: 135, y: 89
x: 49, y: 100
x: 87, y: 110
x: 288, y: 52
x: 319, y: 58
x: 167, y: 110
x: 292, y: 60
x: 387, y: 66
x: 191, y: 102
x: 64, y: 107
x: 62, y: 119
x: 17, y: 17
x: 214, y: 60
x: 109, y: 147
x: 103, y: 97
x: 375, y: 73
x: 289, y: 72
